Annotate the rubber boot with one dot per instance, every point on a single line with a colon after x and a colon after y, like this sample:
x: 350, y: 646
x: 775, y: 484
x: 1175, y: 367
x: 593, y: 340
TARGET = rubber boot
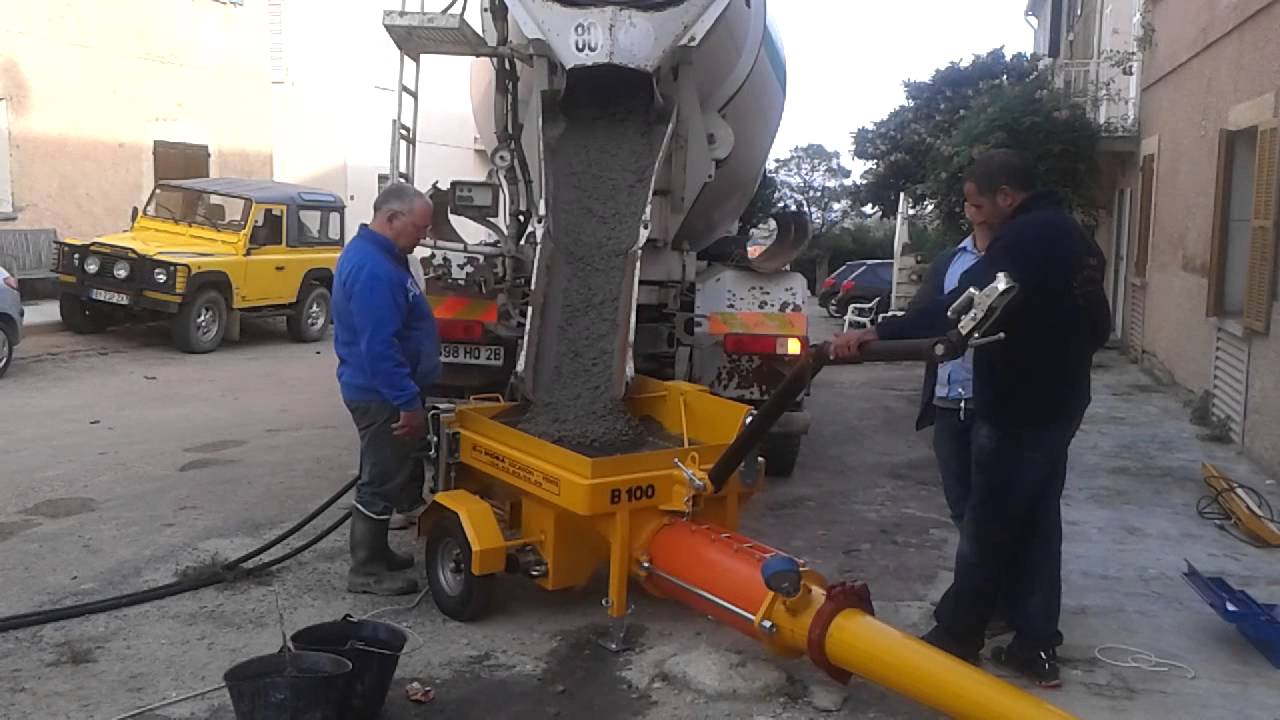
x: 371, y: 560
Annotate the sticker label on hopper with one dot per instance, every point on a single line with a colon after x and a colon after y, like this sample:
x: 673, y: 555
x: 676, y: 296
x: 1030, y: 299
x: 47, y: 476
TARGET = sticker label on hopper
x: 516, y: 470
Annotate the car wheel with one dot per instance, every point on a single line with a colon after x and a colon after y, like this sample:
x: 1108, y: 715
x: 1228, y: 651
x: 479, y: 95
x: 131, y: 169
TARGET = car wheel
x: 830, y: 307
x: 201, y: 323
x: 81, y: 317
x: 780, y: 454
x: 6, y: 349
x: 309, y: 320
x: 456, y: 591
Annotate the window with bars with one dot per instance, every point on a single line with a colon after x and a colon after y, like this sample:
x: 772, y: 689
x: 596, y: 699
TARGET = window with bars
x: 275, y: 27
x: 1242, y: 265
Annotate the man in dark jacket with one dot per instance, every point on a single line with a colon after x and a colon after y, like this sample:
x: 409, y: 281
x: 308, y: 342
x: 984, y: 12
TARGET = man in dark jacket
x: 1031, y: 391
x: 388, y: 351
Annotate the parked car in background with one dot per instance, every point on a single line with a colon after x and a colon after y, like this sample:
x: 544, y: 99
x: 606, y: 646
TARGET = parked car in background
x: 10, y: 319
x: 202, y: 249
x: 872, y: 281
x: 830, y: 288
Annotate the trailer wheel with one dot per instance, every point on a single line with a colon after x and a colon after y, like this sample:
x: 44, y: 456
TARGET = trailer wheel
x: 458, y: 593
x: 780, y: 454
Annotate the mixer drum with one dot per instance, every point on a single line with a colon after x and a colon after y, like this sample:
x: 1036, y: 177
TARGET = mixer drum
x: 741, y: 87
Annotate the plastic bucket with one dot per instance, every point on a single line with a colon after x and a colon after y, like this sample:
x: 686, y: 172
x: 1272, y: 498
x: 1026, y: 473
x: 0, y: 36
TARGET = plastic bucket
x: 292, y: 686
x: 372, y: 647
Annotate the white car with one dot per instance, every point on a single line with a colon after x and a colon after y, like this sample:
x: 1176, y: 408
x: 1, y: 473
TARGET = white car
x: 10, y: 319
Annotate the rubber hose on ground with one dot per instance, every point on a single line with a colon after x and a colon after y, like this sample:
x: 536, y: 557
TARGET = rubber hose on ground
x: 228, y: 571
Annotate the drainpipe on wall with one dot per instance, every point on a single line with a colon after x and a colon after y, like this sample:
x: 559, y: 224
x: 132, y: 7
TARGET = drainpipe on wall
x: 1097, y: 59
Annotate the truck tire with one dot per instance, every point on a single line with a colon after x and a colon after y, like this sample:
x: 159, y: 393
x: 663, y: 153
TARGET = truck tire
x: 81, y: 317
x: 456, y: 591
x: 201, y: 323
x: 309, y: 320
x: 780, y: 453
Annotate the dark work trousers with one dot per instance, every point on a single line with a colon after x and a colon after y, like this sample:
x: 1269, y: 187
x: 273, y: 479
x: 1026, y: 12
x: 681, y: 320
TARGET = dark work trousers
x: 1011, y: 538
x: 386, y: 461
x: 951, y: 441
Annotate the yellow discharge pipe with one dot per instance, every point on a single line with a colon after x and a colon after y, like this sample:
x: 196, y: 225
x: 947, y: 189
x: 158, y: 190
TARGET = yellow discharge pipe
x: 895, y: 660
x: 862, y: 645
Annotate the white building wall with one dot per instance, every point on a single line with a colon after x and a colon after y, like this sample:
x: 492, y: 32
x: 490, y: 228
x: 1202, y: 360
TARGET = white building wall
x: 335, y: 103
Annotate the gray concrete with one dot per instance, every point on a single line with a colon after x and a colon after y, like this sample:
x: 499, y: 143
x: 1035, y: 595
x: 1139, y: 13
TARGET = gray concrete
x: 125, y: 461
x: 41, y: 317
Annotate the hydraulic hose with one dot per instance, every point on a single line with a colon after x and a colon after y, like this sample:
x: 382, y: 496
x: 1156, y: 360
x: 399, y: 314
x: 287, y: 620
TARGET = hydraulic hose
x: 948, y: 347
x: 230, y: 570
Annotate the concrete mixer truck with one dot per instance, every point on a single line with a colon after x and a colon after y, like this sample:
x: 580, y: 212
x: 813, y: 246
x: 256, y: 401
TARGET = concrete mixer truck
x: 626, y: 138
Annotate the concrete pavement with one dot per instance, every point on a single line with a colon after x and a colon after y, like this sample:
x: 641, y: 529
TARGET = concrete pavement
x: 125, y: 461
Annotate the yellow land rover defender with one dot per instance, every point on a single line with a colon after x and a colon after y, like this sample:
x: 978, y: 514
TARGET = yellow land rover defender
x: 204, y: 251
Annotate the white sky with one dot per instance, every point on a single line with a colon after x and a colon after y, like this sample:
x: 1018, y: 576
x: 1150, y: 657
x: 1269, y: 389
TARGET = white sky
x: 847, y: 59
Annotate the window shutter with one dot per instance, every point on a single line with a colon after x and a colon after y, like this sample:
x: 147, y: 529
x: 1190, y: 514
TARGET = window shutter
x: 275, y: 26
x: 1221, y: 220
x: 1146, y: 201
x: 1260, y: 288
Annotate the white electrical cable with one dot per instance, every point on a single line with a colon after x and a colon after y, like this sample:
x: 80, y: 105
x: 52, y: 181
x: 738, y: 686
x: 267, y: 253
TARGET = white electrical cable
x: 1141, y: 660
x: 416, y: 601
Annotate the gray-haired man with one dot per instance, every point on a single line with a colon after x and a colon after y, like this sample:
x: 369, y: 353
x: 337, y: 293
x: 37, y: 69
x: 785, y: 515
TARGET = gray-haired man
x: 388, y: 351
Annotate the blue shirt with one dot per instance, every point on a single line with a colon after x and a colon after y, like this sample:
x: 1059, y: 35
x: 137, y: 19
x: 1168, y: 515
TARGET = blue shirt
x: 384, y: 334
x: 955, y: 378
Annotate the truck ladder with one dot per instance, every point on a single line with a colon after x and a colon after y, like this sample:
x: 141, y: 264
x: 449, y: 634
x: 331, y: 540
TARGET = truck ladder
x: 404, y: 132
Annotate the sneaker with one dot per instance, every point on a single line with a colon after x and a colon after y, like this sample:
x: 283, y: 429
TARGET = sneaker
x: 1040, y: 666
x: 942, y: 640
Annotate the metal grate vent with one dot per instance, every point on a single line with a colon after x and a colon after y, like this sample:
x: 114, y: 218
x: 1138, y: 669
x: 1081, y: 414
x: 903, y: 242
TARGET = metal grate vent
x: 418, y: 33
x: 1231, y: 380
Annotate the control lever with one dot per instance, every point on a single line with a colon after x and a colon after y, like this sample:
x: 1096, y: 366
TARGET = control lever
x: 976, y: 311
x: 694, y: 481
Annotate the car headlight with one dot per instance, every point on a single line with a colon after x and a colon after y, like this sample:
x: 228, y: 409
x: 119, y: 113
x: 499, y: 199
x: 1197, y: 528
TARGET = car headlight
x: 120, y: 270
x: 92, y: 264
x: 160, y: 275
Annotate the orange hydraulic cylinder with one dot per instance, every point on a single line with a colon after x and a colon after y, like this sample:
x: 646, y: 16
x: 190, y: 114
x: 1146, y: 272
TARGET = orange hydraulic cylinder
x: 720, y: 563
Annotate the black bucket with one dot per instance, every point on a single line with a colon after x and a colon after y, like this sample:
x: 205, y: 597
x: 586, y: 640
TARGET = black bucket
x: 293, y: 686
x: 374, y: 651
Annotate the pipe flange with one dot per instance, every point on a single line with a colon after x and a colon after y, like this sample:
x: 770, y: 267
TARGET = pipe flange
x: 840, y: 597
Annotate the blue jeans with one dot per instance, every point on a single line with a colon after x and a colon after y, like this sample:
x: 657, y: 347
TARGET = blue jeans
x: 1011, y: 538
x: 952, y: 442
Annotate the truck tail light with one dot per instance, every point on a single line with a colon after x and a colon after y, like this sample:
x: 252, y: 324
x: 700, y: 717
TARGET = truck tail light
x: 764, y: 345
x: 456, y: 330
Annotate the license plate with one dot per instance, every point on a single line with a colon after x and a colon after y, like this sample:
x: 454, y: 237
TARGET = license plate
x: 108, y: 296
x: 493, y: 355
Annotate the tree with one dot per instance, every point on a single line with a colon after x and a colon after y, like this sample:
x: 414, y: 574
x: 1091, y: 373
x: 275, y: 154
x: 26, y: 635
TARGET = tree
x: 815, y: 180
x: 923, y: 147
x: 763, y: 204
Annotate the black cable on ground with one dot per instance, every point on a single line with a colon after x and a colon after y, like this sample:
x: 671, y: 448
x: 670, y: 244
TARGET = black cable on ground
x: 1210, y: 507
x: 231, y: 570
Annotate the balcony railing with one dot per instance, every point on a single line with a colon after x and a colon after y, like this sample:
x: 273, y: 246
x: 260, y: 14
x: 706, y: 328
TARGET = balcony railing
x: 1108, y: 87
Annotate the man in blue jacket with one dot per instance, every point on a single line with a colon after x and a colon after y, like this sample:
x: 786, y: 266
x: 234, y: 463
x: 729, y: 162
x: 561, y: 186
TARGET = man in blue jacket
x: 388, y: 351
x: 1031, y: 391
